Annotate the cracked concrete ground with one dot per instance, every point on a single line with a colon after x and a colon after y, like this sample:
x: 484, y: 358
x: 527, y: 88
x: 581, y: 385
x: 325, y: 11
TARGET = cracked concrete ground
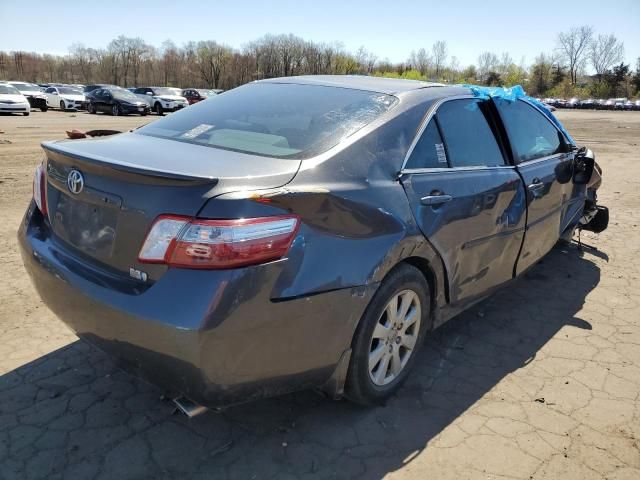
x: 540, y: 381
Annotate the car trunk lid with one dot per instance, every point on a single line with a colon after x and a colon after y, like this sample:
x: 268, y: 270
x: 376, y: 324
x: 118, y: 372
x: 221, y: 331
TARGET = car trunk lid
x: 128, y: 180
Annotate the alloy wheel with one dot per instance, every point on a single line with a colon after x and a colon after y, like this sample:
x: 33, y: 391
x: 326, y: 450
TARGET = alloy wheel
x: 394, y: 337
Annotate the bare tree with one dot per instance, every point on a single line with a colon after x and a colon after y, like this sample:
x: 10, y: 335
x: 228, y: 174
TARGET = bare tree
x: 366, y: 60
x: 573, y: 45
x: 440, y: 54
x: 453, y: 71
x: 212, y: 59
x: 506, y: 61
x: 487, y: 62
x: 604, y: 52
x: 420, y: 61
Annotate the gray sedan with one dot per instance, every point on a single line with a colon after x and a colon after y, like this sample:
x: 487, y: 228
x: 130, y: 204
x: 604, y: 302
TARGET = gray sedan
x: 302, y: 232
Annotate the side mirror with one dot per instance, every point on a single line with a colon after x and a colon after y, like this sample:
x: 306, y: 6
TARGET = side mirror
x: 584, y: 162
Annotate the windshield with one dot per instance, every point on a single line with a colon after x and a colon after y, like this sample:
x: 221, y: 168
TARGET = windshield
x: 274, y: 119
x: 69, y: 91
x: 8, y: 90
x: 124, y: 95
x: 26, y: 87
x: 164, y: 91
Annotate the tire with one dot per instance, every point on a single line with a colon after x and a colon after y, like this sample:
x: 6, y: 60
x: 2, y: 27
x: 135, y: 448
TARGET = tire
x: 91, y: 108
x: 158, y: 109
x: 143, y: 114
x: 26, y: 114
x: 373, y: 339
x: 115, y: 110
x: 62, y: 106
x: 44, y: 109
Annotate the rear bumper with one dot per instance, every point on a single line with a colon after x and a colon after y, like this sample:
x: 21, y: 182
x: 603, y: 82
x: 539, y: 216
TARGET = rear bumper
x: 213, y: 336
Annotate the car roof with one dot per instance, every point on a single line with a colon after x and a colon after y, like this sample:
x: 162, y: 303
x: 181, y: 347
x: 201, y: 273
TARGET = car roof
x: 358, y: 82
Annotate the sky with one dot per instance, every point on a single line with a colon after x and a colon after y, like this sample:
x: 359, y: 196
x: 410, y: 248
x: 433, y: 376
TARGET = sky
x: 390, y: 29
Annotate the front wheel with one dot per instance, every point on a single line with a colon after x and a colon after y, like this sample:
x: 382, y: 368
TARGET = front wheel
x: 115, y: 111
x: 389, y: 336
x: 62, y: 106
x: 158, y: 109
x: 91, y: 108
x: 26, y: 114
x: 44, y: 109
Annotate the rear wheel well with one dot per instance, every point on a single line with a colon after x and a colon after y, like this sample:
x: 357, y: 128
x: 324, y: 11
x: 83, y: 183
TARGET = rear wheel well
x: 424, y: 266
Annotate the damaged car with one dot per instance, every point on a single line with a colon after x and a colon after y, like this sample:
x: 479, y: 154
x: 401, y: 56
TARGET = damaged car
x: 33, y: 93
x: 304, y: 232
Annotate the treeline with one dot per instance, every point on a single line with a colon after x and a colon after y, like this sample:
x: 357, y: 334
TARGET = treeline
x: 209, y: 64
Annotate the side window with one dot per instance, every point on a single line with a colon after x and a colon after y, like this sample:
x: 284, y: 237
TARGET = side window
x: 429, y: 151
x: 467, y: 134
x: 49, y: 90
x: 530, y: 133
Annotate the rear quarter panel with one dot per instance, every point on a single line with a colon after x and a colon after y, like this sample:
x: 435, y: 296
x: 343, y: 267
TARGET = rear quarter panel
x: 356, y: 220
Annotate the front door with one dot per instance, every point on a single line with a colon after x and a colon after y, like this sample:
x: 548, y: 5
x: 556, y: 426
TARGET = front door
x: 468, y: 202
x: 544, y: 160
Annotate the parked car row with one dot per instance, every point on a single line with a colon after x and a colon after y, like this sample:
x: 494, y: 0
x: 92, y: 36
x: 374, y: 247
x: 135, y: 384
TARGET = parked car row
x: 593, y: 103
x: 21, y: 97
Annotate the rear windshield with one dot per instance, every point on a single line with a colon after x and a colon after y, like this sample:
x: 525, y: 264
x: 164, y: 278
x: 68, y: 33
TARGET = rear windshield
x: 274, y: 119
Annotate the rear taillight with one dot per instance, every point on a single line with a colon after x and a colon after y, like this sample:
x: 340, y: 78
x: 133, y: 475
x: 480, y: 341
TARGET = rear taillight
x: 196, y: 243
x: 39, y: 189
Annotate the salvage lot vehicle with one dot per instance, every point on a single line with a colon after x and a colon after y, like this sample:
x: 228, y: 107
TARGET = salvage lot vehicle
x: 65, y: 98
x: 116, y: 101
x: 12, y: 101
x: 162, y: 99
x: 314, y: 230
x: 33, y: 93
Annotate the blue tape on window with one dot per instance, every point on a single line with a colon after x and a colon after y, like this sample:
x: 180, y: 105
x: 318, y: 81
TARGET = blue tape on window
x: 512, y: 94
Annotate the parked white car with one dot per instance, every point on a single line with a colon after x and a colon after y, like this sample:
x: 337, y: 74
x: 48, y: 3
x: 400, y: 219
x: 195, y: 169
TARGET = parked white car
x: 162, y: 99
x: 12, y: 101
x: 65, y: 98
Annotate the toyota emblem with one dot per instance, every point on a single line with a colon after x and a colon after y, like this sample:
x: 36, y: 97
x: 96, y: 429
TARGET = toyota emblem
x: 75, y: 182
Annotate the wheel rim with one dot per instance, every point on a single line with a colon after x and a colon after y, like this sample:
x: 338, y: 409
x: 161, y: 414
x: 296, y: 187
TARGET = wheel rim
x: 158, y: 109
x: 115, y: 110
x: 394, y: 337
x: 62, y: 105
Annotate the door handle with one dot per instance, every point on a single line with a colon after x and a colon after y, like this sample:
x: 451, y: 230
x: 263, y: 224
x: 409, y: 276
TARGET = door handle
x: 436, y: 199
x: 537, y: 184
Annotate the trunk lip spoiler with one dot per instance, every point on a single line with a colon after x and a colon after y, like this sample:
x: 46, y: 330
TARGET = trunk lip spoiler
x: 56, y: 147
